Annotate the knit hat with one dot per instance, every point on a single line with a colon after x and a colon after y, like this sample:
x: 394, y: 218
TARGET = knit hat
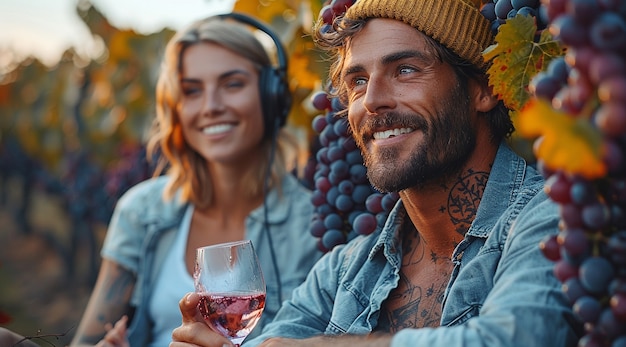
x: 457, y: 24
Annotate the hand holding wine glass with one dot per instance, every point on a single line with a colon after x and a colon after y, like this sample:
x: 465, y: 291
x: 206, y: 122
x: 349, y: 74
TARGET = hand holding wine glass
x: 229, y: 281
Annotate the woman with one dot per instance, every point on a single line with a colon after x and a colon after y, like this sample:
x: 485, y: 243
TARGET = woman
x: 221, y: 153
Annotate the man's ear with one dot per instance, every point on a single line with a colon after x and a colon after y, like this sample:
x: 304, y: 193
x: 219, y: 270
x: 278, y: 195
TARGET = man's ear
x: 484, y: 99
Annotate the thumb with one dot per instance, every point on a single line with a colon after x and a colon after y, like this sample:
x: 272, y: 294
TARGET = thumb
x: 189, y: 308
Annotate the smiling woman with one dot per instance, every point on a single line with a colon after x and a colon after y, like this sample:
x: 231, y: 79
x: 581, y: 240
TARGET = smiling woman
x: 227, y: 159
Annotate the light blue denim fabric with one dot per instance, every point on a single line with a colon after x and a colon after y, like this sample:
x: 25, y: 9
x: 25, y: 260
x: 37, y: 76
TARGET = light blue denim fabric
x: 143, y: 228
x: 501, y: 293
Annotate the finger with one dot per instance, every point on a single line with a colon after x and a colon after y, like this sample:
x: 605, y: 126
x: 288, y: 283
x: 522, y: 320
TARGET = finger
x: 198, y: 334
x: 189, y: 308
x: 120, y: 325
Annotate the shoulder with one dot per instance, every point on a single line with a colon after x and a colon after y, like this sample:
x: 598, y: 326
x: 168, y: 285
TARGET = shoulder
x: 295, y: 195
x: 145, y: 190
x: 146, y: 199
x: 291, y: 185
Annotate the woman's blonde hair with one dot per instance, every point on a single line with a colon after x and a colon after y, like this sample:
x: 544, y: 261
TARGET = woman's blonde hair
x: 187, y: 168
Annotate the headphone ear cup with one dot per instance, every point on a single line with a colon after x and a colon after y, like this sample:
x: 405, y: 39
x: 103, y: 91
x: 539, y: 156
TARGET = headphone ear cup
x: 275, y: 99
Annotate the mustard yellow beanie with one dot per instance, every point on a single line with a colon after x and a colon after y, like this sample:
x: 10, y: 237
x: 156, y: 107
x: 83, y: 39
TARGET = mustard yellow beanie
x: 457, y: 24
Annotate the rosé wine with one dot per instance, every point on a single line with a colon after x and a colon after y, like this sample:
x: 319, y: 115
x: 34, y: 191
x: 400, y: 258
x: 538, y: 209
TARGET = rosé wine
x: 232, y: 315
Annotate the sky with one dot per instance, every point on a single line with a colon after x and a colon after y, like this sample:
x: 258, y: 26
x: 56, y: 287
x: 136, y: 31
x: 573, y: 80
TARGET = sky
x: 46, y: 28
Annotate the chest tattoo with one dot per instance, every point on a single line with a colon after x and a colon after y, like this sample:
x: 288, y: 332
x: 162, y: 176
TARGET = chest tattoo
x: 416, y: 301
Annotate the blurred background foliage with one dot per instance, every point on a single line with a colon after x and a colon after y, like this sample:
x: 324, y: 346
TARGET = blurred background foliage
x: 74, y: 134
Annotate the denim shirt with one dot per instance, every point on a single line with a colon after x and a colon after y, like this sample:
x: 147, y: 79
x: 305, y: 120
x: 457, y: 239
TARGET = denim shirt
x: 501, y: 293
x: 144, y: 226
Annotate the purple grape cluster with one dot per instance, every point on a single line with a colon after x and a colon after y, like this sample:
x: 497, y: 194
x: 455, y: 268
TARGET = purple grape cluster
x: 333, y: 9
x: 346, y: 205
x: 498, y: 11
x: 589, y: 83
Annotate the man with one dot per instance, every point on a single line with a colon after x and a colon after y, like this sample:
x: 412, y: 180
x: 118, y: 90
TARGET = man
x: 458, y: 262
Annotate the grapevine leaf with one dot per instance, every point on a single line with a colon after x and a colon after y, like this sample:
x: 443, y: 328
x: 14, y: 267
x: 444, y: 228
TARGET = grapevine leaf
x: 517, y: 58
x: 567, y: 143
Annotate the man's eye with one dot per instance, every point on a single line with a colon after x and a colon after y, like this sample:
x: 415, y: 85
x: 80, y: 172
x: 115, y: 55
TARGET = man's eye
x: 357, y: 82
x: 406, y: 70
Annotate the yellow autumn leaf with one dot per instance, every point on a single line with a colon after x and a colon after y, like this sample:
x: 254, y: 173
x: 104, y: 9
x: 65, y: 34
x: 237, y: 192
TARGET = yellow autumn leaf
x: 567, y: 143
x: 299, y: 70
x: 265, y: 10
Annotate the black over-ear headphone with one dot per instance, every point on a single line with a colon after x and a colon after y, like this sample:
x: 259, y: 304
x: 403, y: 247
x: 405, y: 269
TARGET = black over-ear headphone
x: 273, y: 85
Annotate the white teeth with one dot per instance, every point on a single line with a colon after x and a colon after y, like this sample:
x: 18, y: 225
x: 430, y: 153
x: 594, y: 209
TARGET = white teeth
x: 217, y: 129
x: 393, y: 132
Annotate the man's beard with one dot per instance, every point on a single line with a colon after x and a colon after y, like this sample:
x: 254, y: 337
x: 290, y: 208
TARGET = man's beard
x: 449, y: 140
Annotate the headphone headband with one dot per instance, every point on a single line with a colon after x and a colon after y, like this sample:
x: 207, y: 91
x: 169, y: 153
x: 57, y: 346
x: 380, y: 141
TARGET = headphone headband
x: 273, y: 85
x: 280, y: 50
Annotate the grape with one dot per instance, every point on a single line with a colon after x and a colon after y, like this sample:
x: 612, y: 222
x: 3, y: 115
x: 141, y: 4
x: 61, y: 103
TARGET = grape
x: 498, y: 11
x: 327, y: 15
x: 613, y: 89
x: 587, y: 308
x: 317, y: 227
x: 608, y: 324
x: 332, y: 238
x: 564, y: 270
x: 345, y: 203
x: 333, y: 221
x: 595, y: 274
x: 618, y: 306
x: 558, y: 187
x: 488, y: 11
x: 360, y: 193
x: 340, y: 6
x: 573, y: 289
x: 365, y: 224
x: 319, y: 123
x: 617, y: 247
x: 374, y: 203
x: 574, y: 242
x: 583, y: 11
x: 611, y: 118
x: 502, y: 8
x: 544, y: 85
x: 608, y: 32
x: 550, y: 247
x: 566, y: 29
x: 346, y: 187
x: 526, y: 11
x: 571, y: 215
x: 321, y: 102
x: 582, y: 192
x: 517, y: 4
x: 605, y: 65
x: 596, y: 215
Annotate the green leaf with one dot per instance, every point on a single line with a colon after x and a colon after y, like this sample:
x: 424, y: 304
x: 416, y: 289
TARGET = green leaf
x: 517, y: 58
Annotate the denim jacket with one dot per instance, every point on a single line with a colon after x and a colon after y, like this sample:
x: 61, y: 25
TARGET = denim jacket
x: 501, y: 293
x: 144, y: 226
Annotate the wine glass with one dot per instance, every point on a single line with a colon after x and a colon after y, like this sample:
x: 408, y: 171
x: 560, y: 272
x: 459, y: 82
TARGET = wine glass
x: 230, y: 283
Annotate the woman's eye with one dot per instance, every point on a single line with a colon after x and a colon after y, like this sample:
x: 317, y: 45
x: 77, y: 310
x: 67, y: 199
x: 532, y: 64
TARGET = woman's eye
x: 234, y: 84
x: 189, y: 90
